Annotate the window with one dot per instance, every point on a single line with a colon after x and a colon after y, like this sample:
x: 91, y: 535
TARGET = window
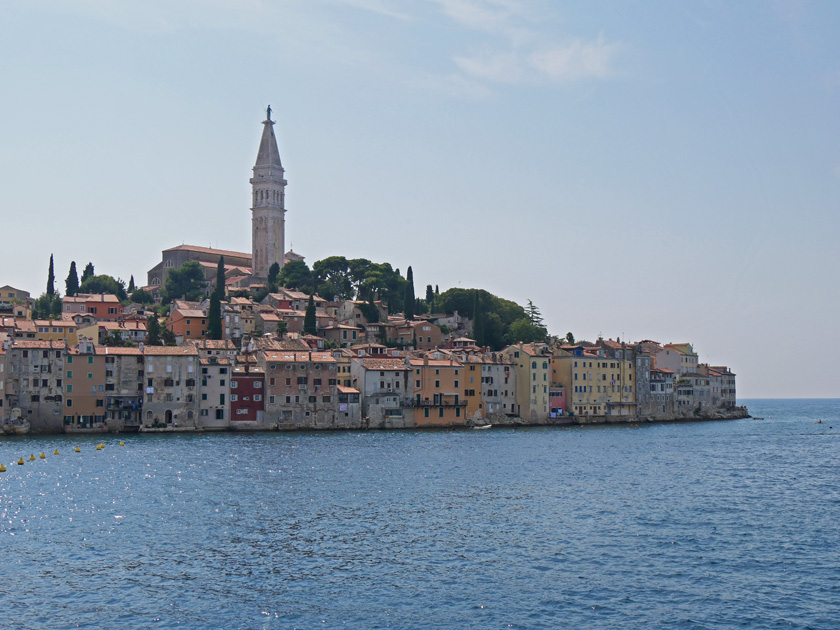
x: 257, y: 384
x: 312, y: 399
x: 233, y: 384
x: 234, y: 398
x: 257, y: 397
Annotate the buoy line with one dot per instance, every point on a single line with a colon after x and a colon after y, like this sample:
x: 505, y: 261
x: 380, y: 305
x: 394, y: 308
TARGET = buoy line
x: 43, y: 455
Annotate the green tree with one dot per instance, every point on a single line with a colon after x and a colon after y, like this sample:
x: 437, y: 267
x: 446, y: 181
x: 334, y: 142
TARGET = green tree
x: 310, y: 322
x: 570, y: 338
x: 167, y: 336
x: 214, y: 317
x: 478, y: 321
x: 153, y: 331
x: 141, y: 296
x: 71, y: 285
x: 220, y: 279
x: 51, y: 279
x: 534, y: 314
x: 131, y: 288
x: 296, y: 274
x: 273, y: 273
x: 104, y: 284
x: 430, y: 298
x: 87, y: 272
x: 184, y: 283
x: 522, y: 330
x: 409, y: 294
x: 47, y: 306
x: 333, y: 278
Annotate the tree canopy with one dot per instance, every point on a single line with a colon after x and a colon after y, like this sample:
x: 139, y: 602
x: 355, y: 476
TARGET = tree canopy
x: 184, y: 283
x: 296, y: 274
x: 104, y: 284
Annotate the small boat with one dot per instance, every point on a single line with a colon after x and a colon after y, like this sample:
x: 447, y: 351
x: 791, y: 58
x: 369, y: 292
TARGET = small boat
x: 16, y: 424
x: 483, y: 426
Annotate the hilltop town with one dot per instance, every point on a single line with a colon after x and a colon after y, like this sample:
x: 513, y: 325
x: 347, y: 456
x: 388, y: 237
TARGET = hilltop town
x: 226, y: 340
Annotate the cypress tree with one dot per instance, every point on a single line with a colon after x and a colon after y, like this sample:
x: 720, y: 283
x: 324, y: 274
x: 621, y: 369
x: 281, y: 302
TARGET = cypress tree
x: 51, y: 279
x: 310, y: 323
x: 409, y: 294
x: 88, y: 272
x: 273, y: 273
x: 153, y: 331
x: 131, y: 287
x: 220, y: 279
x: 430, y: 298
x: 214, y: 317
x: 71, y: 285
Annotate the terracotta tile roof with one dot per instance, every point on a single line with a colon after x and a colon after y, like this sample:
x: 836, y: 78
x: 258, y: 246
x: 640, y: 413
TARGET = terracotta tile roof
x: 299, y: 357
x: 453, y: 363
x: 117, y: 351
x: 213, y: 344
x: 214, y: 361
x: 55, y: 322
x: 188, y: 313
x: 373, y: 363
x: 38, y: 344
x: 209, y: 250
x: 347, y: 390
x: 170, y: 351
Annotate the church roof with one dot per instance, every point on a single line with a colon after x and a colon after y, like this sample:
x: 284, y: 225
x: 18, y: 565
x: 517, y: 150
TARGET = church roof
x: 268, y: 155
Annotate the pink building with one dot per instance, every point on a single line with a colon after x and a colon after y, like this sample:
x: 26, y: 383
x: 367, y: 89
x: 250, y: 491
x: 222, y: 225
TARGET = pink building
x: 557, y: 401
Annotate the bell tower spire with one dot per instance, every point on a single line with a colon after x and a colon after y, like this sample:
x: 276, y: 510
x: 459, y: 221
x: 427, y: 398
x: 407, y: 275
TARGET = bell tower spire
x: 268, y: 206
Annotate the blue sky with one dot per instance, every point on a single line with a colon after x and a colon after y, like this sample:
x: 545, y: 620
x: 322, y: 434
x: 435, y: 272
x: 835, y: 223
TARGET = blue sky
x: 663, y: 170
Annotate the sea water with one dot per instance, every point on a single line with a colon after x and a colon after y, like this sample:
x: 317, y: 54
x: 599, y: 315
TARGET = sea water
x: 727, y: 524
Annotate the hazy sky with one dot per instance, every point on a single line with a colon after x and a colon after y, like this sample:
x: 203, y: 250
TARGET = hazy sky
x: 650, y: 170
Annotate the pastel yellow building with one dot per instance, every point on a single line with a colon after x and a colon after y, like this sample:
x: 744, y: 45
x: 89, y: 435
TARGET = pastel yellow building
x: 532, y: 365
x: 595, y: 385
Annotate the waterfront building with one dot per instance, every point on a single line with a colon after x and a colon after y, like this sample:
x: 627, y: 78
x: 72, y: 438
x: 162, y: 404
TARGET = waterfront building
x: 171, y: 387
x: 680, y: 358
x: 437, y: 393
x: 662, y: 394
x: 247, y: 396
x: 124, y: 387
x: 301, y: 390
x: 215, y: 396
x: 384, y: 383
x: 596, y: 385
x: 727, y: 386
x: 35, y: 382
x: 532, y: 365
x: 84, y: 403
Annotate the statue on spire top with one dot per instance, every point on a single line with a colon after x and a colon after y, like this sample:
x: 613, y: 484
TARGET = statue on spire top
x: 268, y: 113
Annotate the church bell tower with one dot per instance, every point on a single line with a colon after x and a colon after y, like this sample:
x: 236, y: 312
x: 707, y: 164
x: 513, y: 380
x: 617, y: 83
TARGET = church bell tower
x: 268, y: 207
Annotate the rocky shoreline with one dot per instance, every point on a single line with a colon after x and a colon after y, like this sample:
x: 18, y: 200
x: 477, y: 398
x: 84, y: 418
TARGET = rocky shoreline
x: 496, y: 421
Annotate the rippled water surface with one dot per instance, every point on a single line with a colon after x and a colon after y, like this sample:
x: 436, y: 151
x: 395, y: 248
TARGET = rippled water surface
x: 700, y: 525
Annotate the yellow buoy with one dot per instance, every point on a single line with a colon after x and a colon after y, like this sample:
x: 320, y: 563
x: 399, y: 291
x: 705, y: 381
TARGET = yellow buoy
x: 122, y: 443
x: 56, y: 452
x: 20, y: 462
x: 2, y: 468
x: 31, y: 458
x: 78, y: 449
x: 43, y: 456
